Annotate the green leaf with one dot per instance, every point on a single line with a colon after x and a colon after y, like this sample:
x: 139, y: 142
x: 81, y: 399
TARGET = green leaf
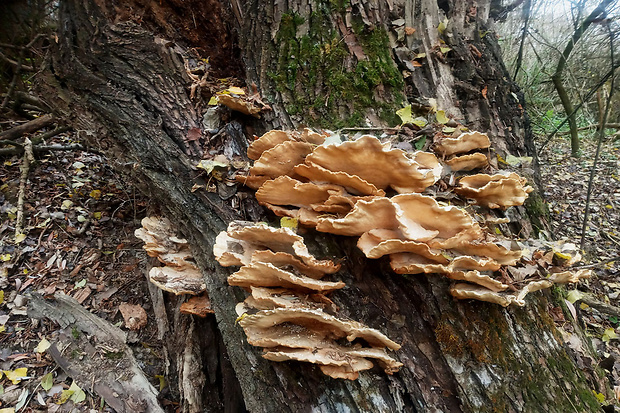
x: 613, y: 319
x: 47, y: 381
x: 441, y: 117
x: 448, y: 129
x: 445, y: 49
x: 405, y: 114
x: 19, y: 238
x: 420, y: 143
x: 80, y: 284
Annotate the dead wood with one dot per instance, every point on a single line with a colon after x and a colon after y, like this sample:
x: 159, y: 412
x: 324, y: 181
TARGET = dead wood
x: 106, y: 364
x: 24, y: 170
x: 28, y: 127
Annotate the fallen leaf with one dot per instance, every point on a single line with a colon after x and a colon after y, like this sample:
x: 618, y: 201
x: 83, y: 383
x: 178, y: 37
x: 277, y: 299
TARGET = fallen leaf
x: 95, y: 193
x: 213, y: 101
x: 610, y: 333
x: 484, y: 92
x: 47, y: 381
x: 288, y: 222
x: 42, y: 346
x: 574, y: 295
x: 19, y: 238
x: 409, y: 30
x: 134, y: 316
x: 16, y: 375
x: 78, y: 395
x: 441, y: 117
x: 162, y: 381
x: 5, y: 257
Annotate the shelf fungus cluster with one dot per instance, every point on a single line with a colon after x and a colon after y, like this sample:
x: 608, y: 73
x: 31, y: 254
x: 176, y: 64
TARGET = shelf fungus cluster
x: 287, y: 311
x: 365, y: 188
x: 179, y: 274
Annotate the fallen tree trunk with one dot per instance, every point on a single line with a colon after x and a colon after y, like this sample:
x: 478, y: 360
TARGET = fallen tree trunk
x: 130, y: 89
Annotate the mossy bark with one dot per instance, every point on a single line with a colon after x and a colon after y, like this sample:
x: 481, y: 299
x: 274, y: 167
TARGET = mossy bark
x: 122, y: 78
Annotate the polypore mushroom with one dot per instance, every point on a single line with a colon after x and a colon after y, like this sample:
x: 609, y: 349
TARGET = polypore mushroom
x: 239, y: 104
x: 468, y: 162
x: 352, y: 183
x: 463, y: 143
x: 267, y: 141
x: 495, y: 191
x: 367, y: 158
x: 180, y: 275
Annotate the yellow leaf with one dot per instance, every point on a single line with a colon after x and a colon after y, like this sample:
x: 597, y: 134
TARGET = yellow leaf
x: 405, y: 114
x: 420, y: 122
x: 241, y: 317
x: 599, y: 396
x: 66, y: 204
x: 19, y: 238
x: 95, y: 193
x: 162, y: 381
x: 445, y: 50
x: 42, y: 346
x: 2, y: 330
x: 609, y: 206
x: 64, y: 396
x: 441, y: 117
x: 78, y: 394
x: 8, y: 163
x: 47, y: 381
x: 16, y: 375
x: 443, y: 26
x: 573, y: 296
x: 584, y: 306
x: 236, y: 90
x: 97, y: 215
x: 7, y: 410
x: 288, y: 222
x: 420, y: 56
x: 609, y: 334
x: 1, y: 296
x: 213, y: 101
x: 5, y: 257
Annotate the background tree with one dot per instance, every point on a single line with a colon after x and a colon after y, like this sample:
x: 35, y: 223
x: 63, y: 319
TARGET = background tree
x: 123, y: 73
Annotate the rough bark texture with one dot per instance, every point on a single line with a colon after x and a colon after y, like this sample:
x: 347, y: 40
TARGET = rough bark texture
x: 123, y: 81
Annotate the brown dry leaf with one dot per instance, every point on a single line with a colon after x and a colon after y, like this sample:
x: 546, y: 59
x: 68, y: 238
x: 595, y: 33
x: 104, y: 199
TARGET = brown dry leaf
x: 134, y: 316
x: 409, y: 31
x: 200, y: 306
x: 484, y: 92
x: 82, y: 294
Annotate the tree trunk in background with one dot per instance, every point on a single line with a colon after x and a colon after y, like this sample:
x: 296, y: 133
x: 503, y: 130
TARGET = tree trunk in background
x: 119, y: 75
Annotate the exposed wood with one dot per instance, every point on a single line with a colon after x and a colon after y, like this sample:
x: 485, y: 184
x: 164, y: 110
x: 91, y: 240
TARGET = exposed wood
x: 107, y: 366
x: 24, y: 170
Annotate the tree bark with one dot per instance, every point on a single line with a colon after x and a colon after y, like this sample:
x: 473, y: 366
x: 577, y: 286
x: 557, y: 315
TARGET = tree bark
x: 119, y: 73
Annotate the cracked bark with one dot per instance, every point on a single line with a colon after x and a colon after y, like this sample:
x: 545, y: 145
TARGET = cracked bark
x: 121, y: 77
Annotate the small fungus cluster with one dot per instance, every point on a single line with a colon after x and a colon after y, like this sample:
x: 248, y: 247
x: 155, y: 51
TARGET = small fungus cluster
x: 287, y: 312
x: 367, y: 189
x: 179, y: 275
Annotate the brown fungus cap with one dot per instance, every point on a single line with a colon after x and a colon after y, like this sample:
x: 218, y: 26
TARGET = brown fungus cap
x: 468, y: 162
x: 318, y: 322
x: 267, y: 141
x: 367, y: 158
x: 267, y: 275
x: 495, y: 191
x: 285, y: 190
x: 463, y: 143
x: 352, y: 183
x: 281, y: 159
x: 239, y: 104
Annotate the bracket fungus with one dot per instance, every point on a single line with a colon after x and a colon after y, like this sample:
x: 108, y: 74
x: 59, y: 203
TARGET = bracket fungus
x: 179, y: 275
x: 286, y: 311
x: 340, y: 188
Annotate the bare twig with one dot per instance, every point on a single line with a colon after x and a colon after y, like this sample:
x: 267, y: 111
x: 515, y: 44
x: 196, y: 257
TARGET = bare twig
x: 24, y: 169
x: 601, y: 135
x: 596, y: 264
x: 48, y: 148
x: 28, y: 127
x: 527, y: 11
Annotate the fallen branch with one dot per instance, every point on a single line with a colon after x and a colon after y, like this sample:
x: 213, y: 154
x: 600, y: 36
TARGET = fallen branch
x: 125, y: 390
x: 596, y: 264
x: 599, y: 305
x: 28, y: 127
x: 48, y: 148
x: 16, y: 64
x: 23, y: 179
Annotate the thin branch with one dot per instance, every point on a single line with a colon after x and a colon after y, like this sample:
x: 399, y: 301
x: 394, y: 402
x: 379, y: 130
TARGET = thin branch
x: 596, y: 264
x: 601, y: 135
x: 16, y: 64
x: 28, y: 127
x: 527, y: 9
x: 24, y: 169
x: 48, y: 148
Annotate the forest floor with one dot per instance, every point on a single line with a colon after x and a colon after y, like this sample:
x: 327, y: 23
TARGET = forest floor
x: 79, y: 221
